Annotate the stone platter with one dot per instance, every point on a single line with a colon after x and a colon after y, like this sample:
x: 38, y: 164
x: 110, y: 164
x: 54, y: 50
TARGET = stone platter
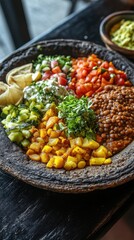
x: 16, y: 163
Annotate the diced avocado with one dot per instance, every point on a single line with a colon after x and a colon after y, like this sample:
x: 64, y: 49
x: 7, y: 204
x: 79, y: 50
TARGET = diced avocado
x: 22, y: 117
x: 8, y: 118
x: 24, y: 111
x: 25, y: 143
x: 16, y: 137
x: 14, y: 114
x: 33, y: 117
x: 26, y: 133
x: 39, y: 106
x: 6, y: 109
x: 32, y: 104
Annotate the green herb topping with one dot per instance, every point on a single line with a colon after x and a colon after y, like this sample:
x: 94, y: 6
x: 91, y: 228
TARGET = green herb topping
x: 78, y: 116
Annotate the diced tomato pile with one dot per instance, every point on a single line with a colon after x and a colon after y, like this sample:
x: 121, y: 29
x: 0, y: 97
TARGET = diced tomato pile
x: 90, y: 74
x: 55, y: 70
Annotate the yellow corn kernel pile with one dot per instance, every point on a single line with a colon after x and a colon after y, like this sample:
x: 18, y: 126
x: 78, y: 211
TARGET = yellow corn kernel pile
x: 51, y: 146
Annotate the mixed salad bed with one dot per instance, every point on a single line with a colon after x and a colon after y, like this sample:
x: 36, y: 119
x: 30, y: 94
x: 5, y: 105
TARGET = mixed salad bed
x: 46, y: 108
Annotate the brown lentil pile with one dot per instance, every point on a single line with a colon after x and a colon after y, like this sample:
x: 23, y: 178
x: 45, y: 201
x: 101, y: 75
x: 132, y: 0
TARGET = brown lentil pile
x: 114, y: 107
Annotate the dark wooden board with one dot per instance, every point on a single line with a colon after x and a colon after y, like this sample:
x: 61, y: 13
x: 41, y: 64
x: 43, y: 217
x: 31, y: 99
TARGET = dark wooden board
x: 35, y: 214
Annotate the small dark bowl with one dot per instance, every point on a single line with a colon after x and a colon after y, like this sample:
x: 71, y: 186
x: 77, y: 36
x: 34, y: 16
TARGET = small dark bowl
x: 105, y: 28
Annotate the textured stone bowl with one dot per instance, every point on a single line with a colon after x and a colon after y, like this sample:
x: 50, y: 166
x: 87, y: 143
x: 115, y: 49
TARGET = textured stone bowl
x: 16, y: 163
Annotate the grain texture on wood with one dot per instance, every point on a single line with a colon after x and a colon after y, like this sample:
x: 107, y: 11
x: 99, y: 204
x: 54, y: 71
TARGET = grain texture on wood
x: 29, y: 213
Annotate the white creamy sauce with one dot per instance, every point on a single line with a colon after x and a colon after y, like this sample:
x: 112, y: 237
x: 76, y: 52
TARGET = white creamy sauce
x: 45, y: 91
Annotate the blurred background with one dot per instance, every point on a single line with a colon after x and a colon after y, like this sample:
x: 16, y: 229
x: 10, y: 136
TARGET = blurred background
x: 42, y: 15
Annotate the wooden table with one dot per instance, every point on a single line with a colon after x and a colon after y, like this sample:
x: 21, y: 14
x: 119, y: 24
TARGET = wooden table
x: 28, y: 213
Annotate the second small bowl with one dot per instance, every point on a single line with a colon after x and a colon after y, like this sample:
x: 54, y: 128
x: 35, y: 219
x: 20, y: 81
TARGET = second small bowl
x: 106, y: 26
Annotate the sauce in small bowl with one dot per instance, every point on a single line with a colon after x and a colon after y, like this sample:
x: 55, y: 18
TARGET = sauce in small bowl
x: 117, y: 32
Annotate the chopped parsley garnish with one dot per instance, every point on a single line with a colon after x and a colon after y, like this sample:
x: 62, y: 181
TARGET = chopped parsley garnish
x: 78, y: 116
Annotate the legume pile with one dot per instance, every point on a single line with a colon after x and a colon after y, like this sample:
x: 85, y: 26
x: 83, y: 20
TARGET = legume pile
x: 81, y: 112
x: 114, y: 107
